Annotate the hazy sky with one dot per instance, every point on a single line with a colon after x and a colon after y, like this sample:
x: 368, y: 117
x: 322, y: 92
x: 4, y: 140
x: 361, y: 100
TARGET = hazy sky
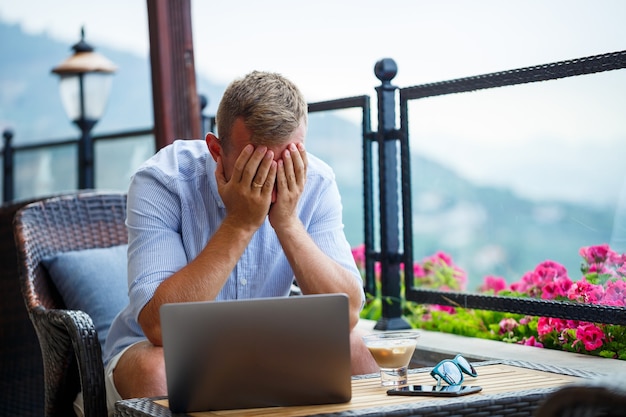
x: 329, y: 48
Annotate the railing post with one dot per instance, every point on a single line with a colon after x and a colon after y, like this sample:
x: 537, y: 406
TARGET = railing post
x: 7, y: 162
x: 390, y: 257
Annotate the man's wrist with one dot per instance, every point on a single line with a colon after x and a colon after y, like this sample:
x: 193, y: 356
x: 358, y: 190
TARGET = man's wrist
x: 291, y: 227
x: 238, y: 227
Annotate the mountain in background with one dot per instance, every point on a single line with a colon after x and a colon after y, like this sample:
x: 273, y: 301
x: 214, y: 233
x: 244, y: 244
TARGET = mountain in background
x: 487, y: 230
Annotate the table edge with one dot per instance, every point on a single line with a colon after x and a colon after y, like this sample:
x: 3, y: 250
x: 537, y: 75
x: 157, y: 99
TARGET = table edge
x: 146, y: 407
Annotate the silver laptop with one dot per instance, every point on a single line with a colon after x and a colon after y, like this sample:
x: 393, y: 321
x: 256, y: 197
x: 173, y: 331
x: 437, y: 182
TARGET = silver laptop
x: 257, y: 353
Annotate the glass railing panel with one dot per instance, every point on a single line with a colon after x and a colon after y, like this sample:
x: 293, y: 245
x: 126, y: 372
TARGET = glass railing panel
x: 45, y: 171
x: 504, y: 179
x: 336, y: 137
x: 117, y: 159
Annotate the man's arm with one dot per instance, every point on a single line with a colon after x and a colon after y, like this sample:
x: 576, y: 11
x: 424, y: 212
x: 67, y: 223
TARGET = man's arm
x: 314, y: 270
x: 203, y: 278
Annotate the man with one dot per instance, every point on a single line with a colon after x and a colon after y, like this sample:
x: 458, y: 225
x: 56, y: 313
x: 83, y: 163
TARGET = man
x: 237, y: 216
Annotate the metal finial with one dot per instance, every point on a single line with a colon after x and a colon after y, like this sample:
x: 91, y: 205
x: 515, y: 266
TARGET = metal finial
x: 385, y: 70
x: 7, y: 134
x: 82, y: 46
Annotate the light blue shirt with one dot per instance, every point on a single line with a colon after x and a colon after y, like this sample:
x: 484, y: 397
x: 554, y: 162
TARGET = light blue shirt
x: 173, y: 210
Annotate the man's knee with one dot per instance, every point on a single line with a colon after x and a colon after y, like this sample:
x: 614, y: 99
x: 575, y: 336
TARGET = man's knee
x: 140, y: 372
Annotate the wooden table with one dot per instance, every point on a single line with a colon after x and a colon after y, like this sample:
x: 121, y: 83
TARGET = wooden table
x: 508, y: 387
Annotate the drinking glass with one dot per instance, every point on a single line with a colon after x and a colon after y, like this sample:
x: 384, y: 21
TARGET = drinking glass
x: 392, y: 351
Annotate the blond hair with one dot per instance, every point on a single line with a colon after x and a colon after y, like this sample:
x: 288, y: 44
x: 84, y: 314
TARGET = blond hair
x: 271, y: 107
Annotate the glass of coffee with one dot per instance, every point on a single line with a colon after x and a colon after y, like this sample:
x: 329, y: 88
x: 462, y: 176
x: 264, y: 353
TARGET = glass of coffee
x: 392, y: 351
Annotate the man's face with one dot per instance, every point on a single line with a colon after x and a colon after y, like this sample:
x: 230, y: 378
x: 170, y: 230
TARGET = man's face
x: 240, y: 137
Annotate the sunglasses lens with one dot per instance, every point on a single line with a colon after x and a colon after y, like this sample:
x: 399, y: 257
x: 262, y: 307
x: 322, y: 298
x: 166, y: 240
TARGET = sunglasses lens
x: 465, y: 365
x: 451, y: 373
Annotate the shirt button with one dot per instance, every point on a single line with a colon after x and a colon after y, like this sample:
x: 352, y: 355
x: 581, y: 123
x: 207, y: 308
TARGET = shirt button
x: 244, y: 281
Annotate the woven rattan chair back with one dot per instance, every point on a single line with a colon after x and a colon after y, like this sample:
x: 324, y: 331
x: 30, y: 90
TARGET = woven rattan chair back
x: 71, y: 353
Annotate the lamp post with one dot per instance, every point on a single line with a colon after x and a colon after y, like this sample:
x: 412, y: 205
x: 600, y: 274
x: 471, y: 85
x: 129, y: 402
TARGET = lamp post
x: 84, y: 85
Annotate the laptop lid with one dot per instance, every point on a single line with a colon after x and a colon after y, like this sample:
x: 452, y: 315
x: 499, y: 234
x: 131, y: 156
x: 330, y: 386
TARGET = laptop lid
x: 257, y: 353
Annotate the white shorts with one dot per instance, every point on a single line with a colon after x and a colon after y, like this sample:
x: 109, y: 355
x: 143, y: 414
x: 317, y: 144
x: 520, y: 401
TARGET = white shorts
x: 112, y: 396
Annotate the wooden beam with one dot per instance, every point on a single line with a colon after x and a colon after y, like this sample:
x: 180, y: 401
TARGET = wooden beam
x: 174, y: 92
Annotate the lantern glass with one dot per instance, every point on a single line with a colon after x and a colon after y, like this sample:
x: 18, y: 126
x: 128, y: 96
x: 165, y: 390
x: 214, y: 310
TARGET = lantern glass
x: 96, y: 87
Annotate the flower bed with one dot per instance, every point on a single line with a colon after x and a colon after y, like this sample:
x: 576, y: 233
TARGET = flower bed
x: 602, y: 281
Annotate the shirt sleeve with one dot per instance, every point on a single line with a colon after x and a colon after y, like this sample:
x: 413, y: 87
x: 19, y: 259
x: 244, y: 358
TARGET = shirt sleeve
x: 155, y: 247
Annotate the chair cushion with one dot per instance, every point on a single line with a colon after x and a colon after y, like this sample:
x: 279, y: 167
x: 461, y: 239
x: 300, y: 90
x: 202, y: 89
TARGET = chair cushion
x: 94, y: 281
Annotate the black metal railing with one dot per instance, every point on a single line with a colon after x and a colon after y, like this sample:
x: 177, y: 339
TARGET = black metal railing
x: 9, y: 151
x: 548, y: 308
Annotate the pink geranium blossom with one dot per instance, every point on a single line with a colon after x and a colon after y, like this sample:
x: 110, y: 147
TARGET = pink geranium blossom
x: 556, y: 288
x: 615, y: 294
x: 585, y: 292
x: 418, y: 270
x: 595, y: 254
x: 447, y: 309
x: 550, y: 270
x: 590, y: 335
x: 358, y: 253
x: 547, y: 325
x: 492, y: 283
x: 531, y: 341
x: 508, y: 325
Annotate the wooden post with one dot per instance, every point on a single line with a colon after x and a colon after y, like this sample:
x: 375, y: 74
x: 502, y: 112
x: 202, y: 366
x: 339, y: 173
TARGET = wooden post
x: 174, y: 92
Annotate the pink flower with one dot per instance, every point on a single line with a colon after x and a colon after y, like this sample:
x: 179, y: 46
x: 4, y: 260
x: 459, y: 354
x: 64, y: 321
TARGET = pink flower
x: 529, y: 284
x: 358, y: 253
x: 590, y: 335
x: 507, y: 325
x: 492, y: 283
x: 595, y: 254
x: 556, y: 288
x: 549, y: 270
x: 599, y: 268
x: 547, y: 325
x: 585, y: 292
x: 531, y: 341
x: 438, y: 270
x: 443, y: 257
x: 615, y: 293
x: 616, y: 258
x: 544, y: 326
x: 461, y: 277
x: 447, y: 309
x: 418, y: 270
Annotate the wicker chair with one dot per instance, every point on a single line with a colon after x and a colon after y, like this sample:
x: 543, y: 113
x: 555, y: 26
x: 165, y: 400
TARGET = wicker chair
x: 21, y: 371
x: 72, y: 358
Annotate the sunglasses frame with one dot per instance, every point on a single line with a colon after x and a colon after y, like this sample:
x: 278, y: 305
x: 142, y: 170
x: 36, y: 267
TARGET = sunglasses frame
x: 459, y: 362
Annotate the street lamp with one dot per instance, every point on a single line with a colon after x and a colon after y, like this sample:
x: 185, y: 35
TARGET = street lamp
x: 85, y: 83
